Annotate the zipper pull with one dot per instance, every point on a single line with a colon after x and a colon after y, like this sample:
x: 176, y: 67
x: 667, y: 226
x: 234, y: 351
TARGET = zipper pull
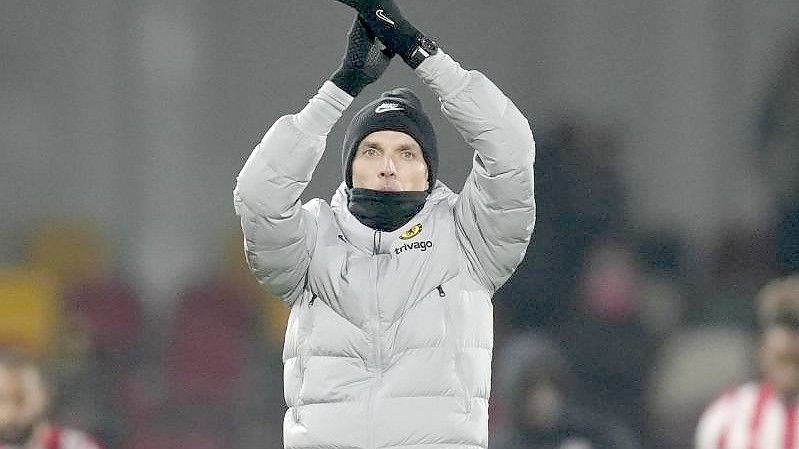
x: 441, y: 292
x: 313, y: 298
x: 376, y: 240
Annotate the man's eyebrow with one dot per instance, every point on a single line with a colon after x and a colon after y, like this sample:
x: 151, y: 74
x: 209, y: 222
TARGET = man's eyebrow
x: 409, y: 147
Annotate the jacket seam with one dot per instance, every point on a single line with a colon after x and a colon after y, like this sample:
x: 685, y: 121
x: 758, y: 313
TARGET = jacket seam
x: 447, y: 396
x: 335, y: 356
x: 433, y: 444
x: 418, y: 348
x: 305, y: 404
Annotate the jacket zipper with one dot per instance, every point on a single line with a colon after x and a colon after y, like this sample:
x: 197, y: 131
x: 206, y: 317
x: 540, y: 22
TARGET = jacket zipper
x: 377, y: 238
x: 376, y: 339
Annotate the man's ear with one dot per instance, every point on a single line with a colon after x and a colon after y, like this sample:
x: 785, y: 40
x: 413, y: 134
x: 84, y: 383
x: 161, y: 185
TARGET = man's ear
x: 427, y: 177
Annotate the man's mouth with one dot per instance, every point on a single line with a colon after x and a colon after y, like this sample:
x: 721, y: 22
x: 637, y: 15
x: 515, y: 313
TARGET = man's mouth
x: 390, y: 188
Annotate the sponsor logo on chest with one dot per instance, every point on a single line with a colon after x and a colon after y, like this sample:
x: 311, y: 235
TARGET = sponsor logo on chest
x: 421, y: 245
x: 418, y: 245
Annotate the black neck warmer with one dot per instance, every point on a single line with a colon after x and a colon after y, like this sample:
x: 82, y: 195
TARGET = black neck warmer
x: 384, y: 211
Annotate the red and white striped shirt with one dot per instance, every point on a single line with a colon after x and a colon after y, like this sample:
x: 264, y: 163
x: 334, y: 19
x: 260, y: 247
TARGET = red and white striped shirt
x: 751, y: 416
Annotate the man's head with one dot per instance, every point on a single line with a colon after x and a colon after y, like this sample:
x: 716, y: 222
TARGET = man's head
x: 24, y: 398
x: 390, y: 145
x: 778, y: 316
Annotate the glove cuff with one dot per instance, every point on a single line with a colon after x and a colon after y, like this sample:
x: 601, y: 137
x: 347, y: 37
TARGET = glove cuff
x: 349, y: 80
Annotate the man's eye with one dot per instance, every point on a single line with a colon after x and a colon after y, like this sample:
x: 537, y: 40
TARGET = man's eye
x: 370, y: 152
x: 408, y: 154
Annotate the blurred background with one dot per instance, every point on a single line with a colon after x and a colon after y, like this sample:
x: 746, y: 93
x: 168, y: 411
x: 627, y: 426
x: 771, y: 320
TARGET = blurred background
x: 667, y: 186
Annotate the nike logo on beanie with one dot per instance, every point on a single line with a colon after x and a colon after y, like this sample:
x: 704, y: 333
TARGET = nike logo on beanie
x: 385, y: 107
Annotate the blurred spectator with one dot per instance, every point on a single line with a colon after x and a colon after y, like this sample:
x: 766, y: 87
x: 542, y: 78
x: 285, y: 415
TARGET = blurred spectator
x: 779, y: 129
x: 580, y: 196
x: 25, y: 401
x: 763, y: 414
x: 222, y: 365
x: 539, y: 411
x: 209, y: 342
x: 110, y: 314
x: 103, y: 316
x: 779, y: 142
x: 741, y: 261
x: 607, y: 339
x: 105, y: 308
x: 691, y: 368
x: 663, y: 281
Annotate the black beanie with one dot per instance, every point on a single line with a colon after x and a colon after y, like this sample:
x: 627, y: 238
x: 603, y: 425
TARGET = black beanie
x: 395, y: 110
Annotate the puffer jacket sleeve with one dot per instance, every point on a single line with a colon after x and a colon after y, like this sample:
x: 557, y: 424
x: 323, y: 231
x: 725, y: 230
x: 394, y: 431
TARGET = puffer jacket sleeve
x: 495, y: 211
x: 279, y: 233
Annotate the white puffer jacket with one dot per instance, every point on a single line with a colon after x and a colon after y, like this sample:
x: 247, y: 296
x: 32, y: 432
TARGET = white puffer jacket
x: 390, y: 338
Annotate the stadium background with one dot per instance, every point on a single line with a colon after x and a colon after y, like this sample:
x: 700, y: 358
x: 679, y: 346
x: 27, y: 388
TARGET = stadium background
x: 668, y: 153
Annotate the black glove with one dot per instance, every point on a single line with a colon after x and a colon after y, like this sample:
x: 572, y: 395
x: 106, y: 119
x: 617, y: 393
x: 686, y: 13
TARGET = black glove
x: 364, y: 61
x: 385, y: 19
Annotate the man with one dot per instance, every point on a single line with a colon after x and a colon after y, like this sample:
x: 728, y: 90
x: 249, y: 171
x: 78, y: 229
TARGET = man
x: 534, y: 388
x: 763, y: 415
x: 24, y: 405
x: 389, y: 338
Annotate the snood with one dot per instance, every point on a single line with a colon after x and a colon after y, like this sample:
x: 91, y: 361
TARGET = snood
x: 384, y: 211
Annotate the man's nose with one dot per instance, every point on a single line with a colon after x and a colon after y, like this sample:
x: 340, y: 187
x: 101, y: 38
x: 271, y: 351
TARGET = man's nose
x: 388, y: 169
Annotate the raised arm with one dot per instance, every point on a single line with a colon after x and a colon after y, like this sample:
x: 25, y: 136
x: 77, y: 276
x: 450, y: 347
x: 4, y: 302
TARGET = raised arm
x: 280, y: 233
x: 495, y: 212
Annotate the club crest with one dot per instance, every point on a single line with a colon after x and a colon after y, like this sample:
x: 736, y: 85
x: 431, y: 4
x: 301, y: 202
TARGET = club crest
x: 412, y: 232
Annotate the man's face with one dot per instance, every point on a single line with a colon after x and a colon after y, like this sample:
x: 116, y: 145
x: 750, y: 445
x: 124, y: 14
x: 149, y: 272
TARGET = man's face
x: 390, y: 161
x: 779, y: 360
x: 22, y: 403
x: 10, y: 400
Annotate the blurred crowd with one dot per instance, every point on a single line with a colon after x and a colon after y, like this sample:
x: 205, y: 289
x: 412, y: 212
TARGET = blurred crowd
x: 608, y: 335
x: 208, y: 375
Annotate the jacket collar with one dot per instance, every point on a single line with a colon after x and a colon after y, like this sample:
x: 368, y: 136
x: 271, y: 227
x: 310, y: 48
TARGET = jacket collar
x: 372, y: 241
